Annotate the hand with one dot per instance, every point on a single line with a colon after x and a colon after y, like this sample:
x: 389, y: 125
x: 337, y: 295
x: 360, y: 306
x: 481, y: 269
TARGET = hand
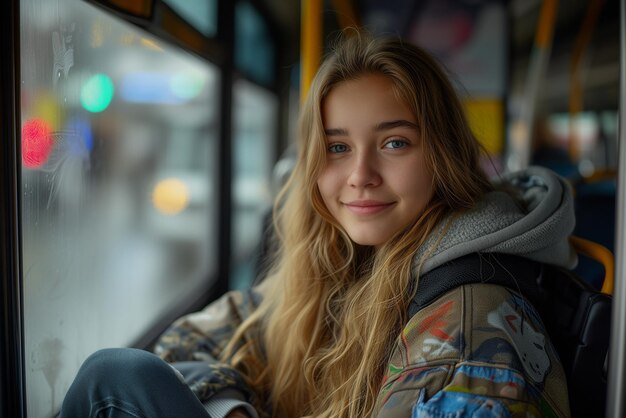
x: 238, y: 413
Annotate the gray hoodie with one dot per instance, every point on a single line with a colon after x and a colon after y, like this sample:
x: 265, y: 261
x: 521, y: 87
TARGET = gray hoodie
x: 538, y: 229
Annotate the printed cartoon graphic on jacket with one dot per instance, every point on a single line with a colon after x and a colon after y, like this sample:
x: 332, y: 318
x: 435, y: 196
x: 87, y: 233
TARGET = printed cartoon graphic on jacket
x: 529, y: 344
x: 440, y: 338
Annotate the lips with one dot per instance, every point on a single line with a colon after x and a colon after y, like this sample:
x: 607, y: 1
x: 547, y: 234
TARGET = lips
x: 368, y: 207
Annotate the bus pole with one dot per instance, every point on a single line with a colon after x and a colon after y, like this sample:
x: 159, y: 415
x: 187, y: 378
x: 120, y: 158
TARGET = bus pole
x: 617, y: 361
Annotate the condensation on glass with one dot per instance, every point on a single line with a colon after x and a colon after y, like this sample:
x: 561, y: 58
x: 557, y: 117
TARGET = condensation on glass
x: 119, y: 137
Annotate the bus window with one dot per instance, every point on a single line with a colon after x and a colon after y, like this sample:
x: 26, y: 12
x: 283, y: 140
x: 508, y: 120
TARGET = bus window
x: 201, y: 14
x: 255, y: 137
x: 255, y: 115
x: 254, y: 47
x: 119, y: 153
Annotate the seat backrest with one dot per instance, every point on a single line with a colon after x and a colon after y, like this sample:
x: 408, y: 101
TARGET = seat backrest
x: 578, y: 319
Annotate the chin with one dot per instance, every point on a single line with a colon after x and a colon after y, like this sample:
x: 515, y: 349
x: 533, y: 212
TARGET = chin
x: 369, y: 241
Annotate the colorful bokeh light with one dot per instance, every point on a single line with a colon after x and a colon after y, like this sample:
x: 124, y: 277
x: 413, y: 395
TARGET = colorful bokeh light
x: 81, y: 136
x: 47, y: 108
x: 147, y: 87
x: 97, y: 93
x: 170, y: 196
x: 37, y: 143
x: 186, y: 86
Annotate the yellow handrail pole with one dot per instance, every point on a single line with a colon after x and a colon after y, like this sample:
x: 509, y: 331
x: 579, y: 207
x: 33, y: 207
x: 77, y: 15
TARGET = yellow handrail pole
x: 545, y: 29
x: 602, y: 255
x: 520, y: 138
x: 576, y: 85
x: 311, y: 30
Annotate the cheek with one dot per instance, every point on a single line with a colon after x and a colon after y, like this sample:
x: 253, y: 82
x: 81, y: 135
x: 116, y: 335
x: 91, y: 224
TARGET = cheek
x: 420, y: 187
x: 326, y: 184
x: 326, y: 198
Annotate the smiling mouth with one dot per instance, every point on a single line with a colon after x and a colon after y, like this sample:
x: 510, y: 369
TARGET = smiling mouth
x: 368, y: 208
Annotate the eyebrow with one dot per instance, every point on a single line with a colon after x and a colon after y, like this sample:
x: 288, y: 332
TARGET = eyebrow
x: 383, y: 126
x: 401, y: 123
x: 336, y: 132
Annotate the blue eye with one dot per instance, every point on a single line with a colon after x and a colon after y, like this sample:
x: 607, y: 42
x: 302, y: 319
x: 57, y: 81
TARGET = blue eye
x: 396, y: 144
x: 338, y: 148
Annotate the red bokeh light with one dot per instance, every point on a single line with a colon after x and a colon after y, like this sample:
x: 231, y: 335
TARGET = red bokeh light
x: 37, y: 143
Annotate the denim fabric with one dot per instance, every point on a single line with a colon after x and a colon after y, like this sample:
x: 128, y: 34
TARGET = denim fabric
x: 126, y: 382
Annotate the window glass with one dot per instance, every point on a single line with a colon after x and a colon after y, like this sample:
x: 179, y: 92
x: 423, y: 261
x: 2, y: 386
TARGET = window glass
x: 584, y: 144
x: 201, y: 14
x: 255, y: 115
x: 119, y: 138
x: 254, y: 49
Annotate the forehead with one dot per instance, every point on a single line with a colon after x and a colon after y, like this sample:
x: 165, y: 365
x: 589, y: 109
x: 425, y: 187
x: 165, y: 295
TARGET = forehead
x: 369, y: 99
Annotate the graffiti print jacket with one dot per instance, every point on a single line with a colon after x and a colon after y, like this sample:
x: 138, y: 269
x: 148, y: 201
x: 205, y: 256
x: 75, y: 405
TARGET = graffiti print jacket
x: 478, y: 349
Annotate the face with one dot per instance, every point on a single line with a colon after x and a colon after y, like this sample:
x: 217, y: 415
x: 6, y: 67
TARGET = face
x: 375, y: 181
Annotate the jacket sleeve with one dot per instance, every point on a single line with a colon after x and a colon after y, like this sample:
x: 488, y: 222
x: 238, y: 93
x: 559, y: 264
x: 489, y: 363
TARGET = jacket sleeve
x: 193, y: 345
x: 204, y: 335
x: 479, y: 350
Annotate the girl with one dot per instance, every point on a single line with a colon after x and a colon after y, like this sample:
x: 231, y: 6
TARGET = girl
x: 351, y: 321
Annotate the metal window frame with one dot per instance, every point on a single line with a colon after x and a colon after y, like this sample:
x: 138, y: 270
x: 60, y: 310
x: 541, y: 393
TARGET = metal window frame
x: 12, y: 382
x: 190, y: 39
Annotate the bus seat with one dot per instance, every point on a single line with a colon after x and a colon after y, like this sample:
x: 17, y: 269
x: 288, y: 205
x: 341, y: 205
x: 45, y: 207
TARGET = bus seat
x: 578, y: 320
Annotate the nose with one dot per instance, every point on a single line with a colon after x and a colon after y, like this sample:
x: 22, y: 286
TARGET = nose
x: 364, y: 172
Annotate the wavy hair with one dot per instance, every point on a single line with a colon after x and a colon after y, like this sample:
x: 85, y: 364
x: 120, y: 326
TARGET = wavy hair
x: 332, y: 309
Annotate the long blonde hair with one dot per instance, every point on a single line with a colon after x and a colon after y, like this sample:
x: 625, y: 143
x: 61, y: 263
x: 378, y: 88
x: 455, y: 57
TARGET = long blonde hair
x: 332, y: 309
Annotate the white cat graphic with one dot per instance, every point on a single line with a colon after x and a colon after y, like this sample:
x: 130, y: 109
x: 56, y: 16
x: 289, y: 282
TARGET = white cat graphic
x: 528, y: 343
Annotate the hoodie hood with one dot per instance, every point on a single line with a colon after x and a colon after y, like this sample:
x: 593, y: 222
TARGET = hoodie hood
x: 537, y: 229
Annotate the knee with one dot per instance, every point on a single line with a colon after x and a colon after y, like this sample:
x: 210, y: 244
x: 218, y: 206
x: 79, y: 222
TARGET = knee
x: 119, y: 373
x: 109, y: 363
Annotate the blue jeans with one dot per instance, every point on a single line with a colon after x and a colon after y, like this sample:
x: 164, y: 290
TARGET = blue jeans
x: 126, y: 382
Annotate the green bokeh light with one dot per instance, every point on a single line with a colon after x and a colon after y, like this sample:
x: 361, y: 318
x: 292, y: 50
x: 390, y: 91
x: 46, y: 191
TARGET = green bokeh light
x: 97, y: 93
x: 186, y: 86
